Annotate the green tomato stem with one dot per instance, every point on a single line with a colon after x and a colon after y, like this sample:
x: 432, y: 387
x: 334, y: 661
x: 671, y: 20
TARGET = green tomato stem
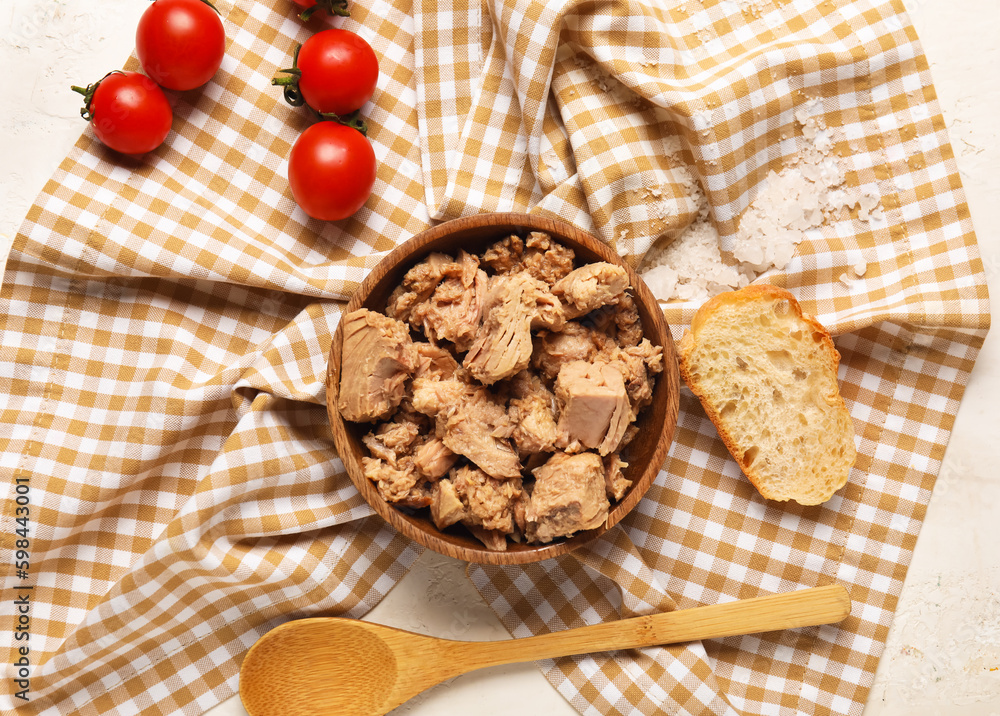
x: 332, y: 7
x: 292, y: 80
x: 293, y: 96
x: 291, y: 93
x: 353, y: 120
x: 88, y: 94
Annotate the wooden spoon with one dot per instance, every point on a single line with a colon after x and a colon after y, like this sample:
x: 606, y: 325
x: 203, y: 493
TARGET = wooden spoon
x: 330, y: 665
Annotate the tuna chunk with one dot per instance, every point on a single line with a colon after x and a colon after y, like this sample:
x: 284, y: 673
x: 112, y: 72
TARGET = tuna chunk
x: 553, y: 349
x: 392, y: 467
x: 594, y: 408
x: 638, y: 365
x: 417, y: 286
x: 590, y: 287
x: 489, y: 508
x: 615, y: 483
x: 651, y: 355
x: 489, y: 503
x: 619, y: 321
x: 391, y: 441
x: 494, y: 540
x: 469, y: 431
x: 514, y: 306
x: 378, y: 357
x: 538, y: 255
x: 505, y: 255
x: 433, y: 397
x: 470, y: 422
x: 435, y: 362
x: 532, y: 411
x: 453, y: 311
x: 446, y: 507
x: 433, y: 458
x: 397, y: 483
x: 629, y: 327
x: 569, y: 496
x: 545, y: 259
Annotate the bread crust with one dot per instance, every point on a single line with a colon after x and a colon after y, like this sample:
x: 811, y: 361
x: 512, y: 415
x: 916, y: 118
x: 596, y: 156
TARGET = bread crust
x: 769, y: 295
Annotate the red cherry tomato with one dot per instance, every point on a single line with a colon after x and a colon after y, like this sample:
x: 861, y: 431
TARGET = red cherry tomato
x: 335, y: 71
x: 128, y: 111
x: 331, y: 170
x: 180, y: 43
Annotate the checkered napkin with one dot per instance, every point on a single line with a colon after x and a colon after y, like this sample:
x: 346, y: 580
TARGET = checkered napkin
x: 165, y: 324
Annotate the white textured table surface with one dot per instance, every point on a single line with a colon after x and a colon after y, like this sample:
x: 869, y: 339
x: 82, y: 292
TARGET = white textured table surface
x: 943, y: 653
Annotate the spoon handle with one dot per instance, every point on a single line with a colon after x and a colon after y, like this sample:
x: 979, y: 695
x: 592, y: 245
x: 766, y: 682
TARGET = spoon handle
x: 806, y: 607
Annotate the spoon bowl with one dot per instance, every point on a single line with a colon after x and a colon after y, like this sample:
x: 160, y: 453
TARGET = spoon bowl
x: 330, y: 665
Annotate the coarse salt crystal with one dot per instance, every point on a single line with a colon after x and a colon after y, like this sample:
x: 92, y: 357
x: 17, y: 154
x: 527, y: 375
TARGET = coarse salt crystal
x: 800, y: 198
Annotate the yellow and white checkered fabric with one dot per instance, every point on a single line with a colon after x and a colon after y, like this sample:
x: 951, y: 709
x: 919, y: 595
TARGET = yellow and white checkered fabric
x: 165, y: 323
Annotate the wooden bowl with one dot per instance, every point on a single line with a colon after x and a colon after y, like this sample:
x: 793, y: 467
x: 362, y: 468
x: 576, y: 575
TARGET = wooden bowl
x: 645, y: 454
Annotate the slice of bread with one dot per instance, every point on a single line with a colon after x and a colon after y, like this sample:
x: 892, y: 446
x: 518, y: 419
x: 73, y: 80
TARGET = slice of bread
x: 766, y: 375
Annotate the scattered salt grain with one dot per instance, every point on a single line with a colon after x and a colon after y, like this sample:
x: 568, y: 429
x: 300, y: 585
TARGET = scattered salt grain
x: 607, y: 83
x: 854, y: 273
x: 551, y: 159
x: 691, y: 267
x: 866, y: 204
x: 800, y: 198
x: 753, y: 7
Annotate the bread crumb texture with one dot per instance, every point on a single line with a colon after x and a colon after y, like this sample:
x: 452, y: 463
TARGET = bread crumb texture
x: 766, y: 375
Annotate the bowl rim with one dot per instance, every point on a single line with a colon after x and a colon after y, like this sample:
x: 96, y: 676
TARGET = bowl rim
x: 416, y: 528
